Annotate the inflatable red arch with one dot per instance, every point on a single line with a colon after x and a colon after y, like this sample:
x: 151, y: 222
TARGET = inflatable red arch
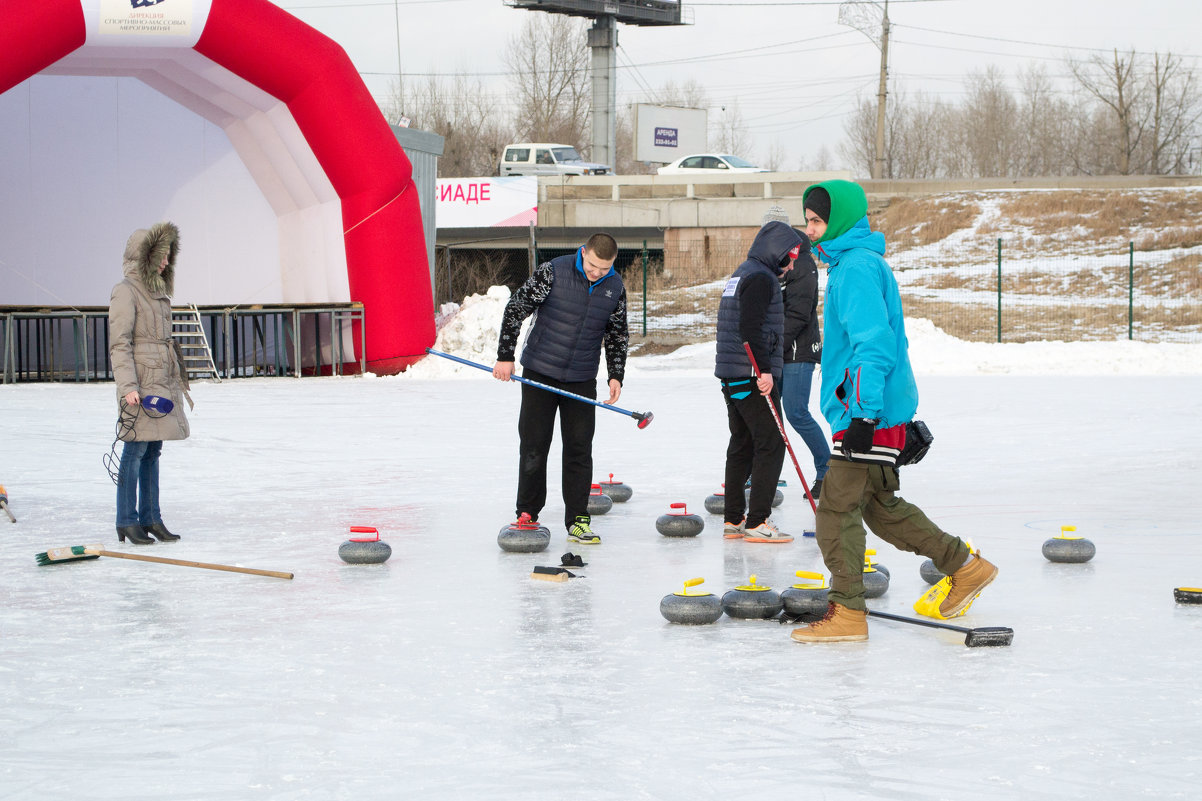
x: 216, y: 44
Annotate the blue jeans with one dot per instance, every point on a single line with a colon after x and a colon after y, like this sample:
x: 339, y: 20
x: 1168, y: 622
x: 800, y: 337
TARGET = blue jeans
x: 795, y: 397
x: 138, y: 484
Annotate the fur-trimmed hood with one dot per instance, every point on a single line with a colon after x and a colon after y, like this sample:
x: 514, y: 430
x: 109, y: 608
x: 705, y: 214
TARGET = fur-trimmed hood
x: 144, y: 251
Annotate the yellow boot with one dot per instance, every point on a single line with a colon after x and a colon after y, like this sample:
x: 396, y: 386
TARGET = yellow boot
x: 839, y: 625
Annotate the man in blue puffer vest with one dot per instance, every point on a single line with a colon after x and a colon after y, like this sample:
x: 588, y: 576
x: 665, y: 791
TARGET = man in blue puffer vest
x: 868, y: 396
x: 581, y: 304
x: 751, y: 311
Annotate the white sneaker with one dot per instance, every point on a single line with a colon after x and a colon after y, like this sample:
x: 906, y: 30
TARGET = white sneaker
x: 766, y: 532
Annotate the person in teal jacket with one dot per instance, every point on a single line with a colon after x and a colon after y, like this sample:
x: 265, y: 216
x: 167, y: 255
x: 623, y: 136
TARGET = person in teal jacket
x: 868, y: 395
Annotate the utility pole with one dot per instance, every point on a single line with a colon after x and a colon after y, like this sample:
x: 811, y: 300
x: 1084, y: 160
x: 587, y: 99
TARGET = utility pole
x: 878, y: 165
x: 861, y: 15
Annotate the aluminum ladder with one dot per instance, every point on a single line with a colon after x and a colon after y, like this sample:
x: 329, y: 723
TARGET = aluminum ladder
x: 189, y: 332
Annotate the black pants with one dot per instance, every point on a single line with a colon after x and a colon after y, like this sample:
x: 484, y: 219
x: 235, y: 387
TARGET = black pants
x: 536, y: 425
x: 756, y: 449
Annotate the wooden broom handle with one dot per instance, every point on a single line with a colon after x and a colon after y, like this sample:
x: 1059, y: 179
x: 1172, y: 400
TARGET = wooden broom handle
x: 185, y: 563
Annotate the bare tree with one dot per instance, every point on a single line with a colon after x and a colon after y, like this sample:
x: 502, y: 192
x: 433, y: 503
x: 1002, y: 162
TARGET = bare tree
x: 917, y: 136
x: 625, y: 163
x: 859, y: 137
x: 1176, y: 111
x: 549, y: 66
x: 989, y: 116
x: 1114, y: 84
x: 1044, y: 139
x: 774, y: 156
x: 822, y: 160
x: 728, y: 133
x: 460, y: 110
x: 690, y: 94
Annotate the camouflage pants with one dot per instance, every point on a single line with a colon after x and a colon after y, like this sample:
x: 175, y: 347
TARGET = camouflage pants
x: 855, y: 495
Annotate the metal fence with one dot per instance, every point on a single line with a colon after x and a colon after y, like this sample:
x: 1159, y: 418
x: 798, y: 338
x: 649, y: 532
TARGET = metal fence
x: 73, y: 344
x: 987, y: 290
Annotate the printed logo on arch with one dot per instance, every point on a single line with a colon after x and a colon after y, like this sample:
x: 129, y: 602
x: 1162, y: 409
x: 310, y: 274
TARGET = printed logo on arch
x: 145, y: 18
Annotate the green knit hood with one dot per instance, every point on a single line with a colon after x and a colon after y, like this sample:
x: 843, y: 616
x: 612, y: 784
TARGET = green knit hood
x: 849, y: 205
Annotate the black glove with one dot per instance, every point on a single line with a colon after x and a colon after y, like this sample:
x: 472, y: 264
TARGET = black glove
x: 858, y: 436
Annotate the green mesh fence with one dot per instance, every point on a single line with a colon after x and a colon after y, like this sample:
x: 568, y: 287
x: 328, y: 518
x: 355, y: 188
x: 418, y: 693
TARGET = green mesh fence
x: 984, y: 290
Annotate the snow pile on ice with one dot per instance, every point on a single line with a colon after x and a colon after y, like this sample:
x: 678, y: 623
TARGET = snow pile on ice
x: 469, y: 331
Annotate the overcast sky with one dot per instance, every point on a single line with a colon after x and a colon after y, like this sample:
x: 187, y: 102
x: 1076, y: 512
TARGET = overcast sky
x: 793, y: 70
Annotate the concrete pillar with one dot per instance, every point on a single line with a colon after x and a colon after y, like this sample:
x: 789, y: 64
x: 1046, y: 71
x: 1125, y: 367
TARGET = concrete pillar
x: 603, y: 40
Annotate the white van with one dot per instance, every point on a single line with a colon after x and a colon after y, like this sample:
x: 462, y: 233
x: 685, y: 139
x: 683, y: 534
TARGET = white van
x: 542, y: 158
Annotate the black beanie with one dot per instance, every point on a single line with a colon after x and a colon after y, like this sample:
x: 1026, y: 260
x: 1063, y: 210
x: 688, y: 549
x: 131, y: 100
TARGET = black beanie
x: 819, y: 201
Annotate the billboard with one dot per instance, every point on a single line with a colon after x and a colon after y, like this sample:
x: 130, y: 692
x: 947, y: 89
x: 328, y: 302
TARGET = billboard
x: 665, y: 133
x: 486, y: 202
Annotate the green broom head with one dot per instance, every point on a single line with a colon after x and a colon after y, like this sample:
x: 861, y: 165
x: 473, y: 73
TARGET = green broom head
x: 76, y: 553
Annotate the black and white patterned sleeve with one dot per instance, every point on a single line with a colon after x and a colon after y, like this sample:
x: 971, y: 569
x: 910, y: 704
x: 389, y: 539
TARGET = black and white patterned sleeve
x: 523, y: 303
x: 617, y: 341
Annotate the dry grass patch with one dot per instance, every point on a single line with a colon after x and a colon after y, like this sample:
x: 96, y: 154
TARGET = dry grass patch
x: 910, y: 223
x: 1102, y: 214
x: 1179, y: 278
x: 1176, y: 237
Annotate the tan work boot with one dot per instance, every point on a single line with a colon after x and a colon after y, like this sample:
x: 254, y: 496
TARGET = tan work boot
x: 967, y: 583
x: 839, y: 625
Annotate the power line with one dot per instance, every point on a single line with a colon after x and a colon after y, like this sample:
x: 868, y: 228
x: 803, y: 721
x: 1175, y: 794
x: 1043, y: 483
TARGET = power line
x: 1023, y: 42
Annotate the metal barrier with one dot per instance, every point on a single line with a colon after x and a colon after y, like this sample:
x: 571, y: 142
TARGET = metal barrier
x: 65, y: 344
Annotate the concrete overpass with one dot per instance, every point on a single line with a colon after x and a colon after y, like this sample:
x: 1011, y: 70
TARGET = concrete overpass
x: 659, y: 208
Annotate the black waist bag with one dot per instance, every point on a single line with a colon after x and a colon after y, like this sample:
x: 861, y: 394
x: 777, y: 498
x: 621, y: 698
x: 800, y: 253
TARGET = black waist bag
x: 918, y: 442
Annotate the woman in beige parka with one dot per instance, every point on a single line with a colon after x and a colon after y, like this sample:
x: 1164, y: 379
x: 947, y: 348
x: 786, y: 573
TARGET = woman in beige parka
x: 146, y: 362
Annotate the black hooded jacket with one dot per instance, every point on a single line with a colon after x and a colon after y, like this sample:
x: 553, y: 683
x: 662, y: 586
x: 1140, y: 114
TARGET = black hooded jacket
x: 803, y: 338
x: 751, y: 310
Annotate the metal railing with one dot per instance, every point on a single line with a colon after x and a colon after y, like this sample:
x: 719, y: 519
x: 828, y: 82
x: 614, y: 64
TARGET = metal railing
x: 72, y: 344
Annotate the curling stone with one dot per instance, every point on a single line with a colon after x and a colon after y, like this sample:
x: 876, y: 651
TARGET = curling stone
x: 868, y: 554
x: 679, y: 523
x: 1068, y: 547
x: 930, y: 574
x: 777, y: 499
x: 364, y: 550
x: 876, y: 583
x: 1187, y: 595
x: 808, y: 598
x: 524, y: 536
x: 691, y: 608
x: 752, y: 602
x: 716, y: 504
x: 616, y: 490
x: 598, y: 502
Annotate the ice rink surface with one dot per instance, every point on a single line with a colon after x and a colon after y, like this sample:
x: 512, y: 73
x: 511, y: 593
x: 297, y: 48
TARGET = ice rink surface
x: 448, y: 673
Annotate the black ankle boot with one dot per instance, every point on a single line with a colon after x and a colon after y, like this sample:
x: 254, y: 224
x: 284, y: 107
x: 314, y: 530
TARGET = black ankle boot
x: 134, y: 534
x: 160, y: 531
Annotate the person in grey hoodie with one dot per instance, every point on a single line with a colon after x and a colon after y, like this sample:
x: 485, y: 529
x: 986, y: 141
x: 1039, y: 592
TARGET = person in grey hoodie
x: 146, y: 361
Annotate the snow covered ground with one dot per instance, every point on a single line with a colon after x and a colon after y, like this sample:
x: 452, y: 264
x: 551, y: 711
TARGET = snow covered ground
x: 448, y: 673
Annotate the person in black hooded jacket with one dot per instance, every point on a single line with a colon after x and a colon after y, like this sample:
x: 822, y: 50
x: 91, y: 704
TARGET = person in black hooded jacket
x: 803, y: 350
x: 751, y: 311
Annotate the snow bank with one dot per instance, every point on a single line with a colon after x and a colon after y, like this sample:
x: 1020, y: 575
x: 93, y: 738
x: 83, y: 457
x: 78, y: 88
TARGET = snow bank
x: 470, y: 332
